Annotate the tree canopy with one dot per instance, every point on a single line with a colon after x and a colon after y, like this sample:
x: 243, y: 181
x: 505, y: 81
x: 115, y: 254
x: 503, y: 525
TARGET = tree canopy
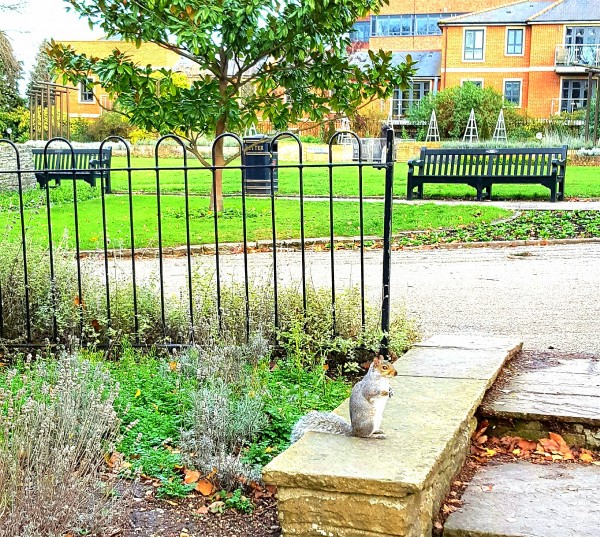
x: 41, y: 70
x: 10, y: 73
x: 246, y: 55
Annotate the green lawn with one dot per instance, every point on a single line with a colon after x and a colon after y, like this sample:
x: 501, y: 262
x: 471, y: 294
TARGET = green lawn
x: 581, y: 181
x: 346, y: 219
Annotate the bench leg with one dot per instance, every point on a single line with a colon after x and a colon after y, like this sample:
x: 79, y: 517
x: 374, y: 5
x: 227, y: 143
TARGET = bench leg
x: 553, y: 192
x: 488, y: 192
x: 561, y: 190
x: 420, y: 190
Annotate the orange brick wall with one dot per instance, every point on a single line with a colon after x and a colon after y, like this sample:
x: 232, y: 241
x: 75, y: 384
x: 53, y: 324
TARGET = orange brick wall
x: 397, y: 43
x: 93, y: 109
x: 540, y: 82
x: 425, y: 42
x: 438, y: 6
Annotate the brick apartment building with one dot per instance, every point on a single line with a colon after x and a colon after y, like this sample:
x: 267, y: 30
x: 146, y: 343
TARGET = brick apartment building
x: 535, y: 53
x: 89, y: 102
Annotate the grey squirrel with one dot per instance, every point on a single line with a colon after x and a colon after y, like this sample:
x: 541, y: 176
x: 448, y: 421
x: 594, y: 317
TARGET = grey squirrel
x: 367, y: 402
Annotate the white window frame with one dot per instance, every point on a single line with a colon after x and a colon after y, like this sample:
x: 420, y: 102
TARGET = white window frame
x: 80, y: 93
x: 520, y: 80
x: 508, y: 29
x: 476, y: 29
x: 474, y: 80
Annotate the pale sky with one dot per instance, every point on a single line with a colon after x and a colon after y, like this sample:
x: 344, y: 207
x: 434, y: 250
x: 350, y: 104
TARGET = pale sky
x: 39, y: 19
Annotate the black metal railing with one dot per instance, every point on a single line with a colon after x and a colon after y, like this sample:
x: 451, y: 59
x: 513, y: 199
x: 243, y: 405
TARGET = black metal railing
x: 25, y: 318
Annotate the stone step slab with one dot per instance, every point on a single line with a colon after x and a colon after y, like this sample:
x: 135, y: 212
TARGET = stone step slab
x: 355, y: 487
x: 521, y: 499
x: 545, y: 391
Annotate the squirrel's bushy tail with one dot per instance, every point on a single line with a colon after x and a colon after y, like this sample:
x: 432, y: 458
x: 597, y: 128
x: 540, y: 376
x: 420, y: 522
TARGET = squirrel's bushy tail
x: 320, y: 422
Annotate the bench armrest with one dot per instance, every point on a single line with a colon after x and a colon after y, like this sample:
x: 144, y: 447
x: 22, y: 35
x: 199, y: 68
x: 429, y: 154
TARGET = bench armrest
x: 414, y: 162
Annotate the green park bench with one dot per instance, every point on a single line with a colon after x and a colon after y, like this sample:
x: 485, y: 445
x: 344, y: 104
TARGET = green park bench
x: 60, y: 166
x: 482, y: 168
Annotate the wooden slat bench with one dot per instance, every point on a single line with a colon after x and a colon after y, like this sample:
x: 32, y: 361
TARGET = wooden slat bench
x: 60, y: 166
x: 481, y: 168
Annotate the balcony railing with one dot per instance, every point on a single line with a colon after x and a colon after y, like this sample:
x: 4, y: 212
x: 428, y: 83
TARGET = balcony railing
x: 577, y: 56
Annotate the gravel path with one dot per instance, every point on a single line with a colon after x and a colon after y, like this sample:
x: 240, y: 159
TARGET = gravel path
x: 547, y: 295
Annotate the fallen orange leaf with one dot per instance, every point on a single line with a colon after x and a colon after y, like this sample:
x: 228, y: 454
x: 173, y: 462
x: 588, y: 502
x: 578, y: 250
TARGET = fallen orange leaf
x: 526, y: 445
x: 191, y: 476
x: 205, y: 487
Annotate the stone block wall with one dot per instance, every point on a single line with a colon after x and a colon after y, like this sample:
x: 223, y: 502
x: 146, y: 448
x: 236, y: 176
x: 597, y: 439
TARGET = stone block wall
x: 9, y: 182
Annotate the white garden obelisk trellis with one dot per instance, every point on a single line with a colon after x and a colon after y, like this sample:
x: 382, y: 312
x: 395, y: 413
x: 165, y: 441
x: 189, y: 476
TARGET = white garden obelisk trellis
x: 471, y: 134
x: 500, y: 130
x: 433, y: 133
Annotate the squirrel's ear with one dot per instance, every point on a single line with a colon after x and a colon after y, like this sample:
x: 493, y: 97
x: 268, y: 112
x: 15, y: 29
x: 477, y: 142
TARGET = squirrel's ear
x: 377, y: 361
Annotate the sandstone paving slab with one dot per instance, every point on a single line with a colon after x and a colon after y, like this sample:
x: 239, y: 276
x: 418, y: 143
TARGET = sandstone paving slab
x: 453, y: 362
x: 548, y: 389
x: 469, y: 341
x: 520, y: 499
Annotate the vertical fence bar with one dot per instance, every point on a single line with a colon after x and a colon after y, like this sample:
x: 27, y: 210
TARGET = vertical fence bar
x: 105, y: 234
x: 188, y: 241
x: 18, y: 171
x: 50, y: 247
x: 77, y: 241
x: 24, y: 243
x: 387, y: 240
x: 105, y: 241
x: 245, y: 238
x: 217, y: 258
x: 363, y: 316
x: 274, y: 242
x: 332, y: 235
x: 301, y: 185
x: 596, y: 109
x: 160, y: 248
x: 136, y: 320
x: 302, y: 233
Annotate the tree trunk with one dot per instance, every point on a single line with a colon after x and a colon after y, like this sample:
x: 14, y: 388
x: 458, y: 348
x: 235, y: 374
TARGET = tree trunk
x: 216, y: 195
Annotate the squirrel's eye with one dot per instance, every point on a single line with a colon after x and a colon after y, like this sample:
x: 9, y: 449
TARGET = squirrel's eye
x: 385, y: 367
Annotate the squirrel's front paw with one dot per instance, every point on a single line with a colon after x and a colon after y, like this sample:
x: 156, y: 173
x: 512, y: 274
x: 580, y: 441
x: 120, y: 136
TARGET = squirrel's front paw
x: 385, y: 393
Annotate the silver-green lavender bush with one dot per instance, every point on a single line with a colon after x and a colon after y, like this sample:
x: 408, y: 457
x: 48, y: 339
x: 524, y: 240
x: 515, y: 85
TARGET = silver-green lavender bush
x: 57, y: 424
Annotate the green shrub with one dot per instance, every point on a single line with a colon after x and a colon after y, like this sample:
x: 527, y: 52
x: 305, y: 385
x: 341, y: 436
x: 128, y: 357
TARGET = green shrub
x: 17, y: 120
x: 108, y: 124
x: 59, y: 300
x: 453, y: 108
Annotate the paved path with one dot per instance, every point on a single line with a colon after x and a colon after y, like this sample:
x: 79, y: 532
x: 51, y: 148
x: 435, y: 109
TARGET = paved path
x: 547, y: 295
x: 581, y: 205
x: 521, y: 499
